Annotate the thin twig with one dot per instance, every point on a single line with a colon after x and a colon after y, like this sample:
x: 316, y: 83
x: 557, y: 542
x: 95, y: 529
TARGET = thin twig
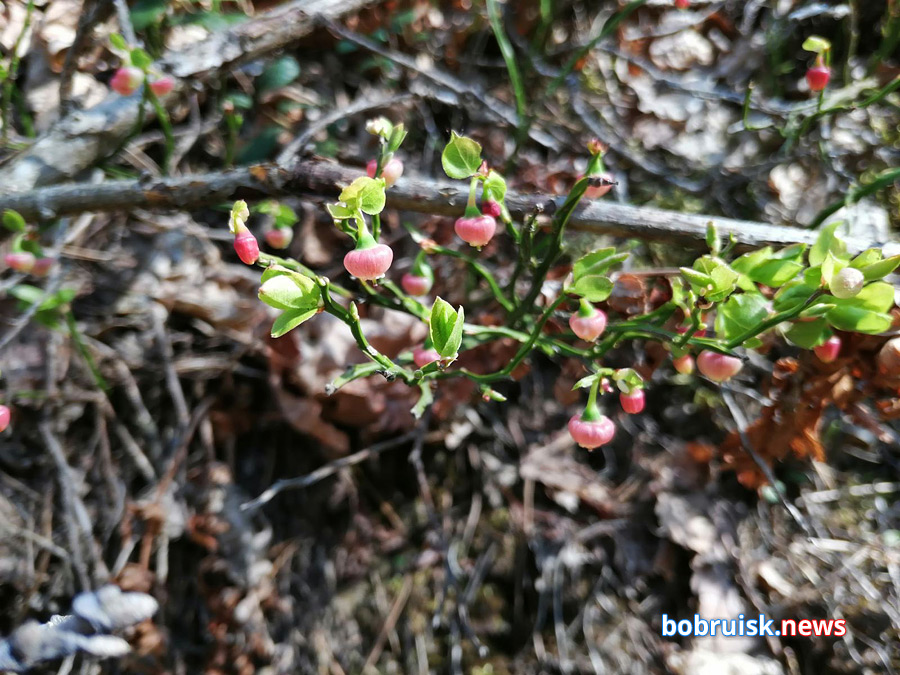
x: 329, y: 469
x: 741, y: 422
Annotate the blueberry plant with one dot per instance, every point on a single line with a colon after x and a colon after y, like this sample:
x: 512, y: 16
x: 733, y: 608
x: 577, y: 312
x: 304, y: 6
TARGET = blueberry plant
x: 717, y: 308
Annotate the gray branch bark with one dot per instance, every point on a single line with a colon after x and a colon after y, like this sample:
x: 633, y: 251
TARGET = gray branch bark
x: 322, y: 180
x: 83, y: 137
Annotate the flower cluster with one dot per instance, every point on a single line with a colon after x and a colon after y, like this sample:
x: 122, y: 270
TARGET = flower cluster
x: 719, y: 307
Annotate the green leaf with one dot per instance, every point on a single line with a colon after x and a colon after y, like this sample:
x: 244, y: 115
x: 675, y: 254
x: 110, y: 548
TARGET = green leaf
x: 398, y: 135
x: 740, y: 313
x: 290, y: 319
x: 859, y: 319
x: 750, y: 261
x: 594, y: 288
x: 494, y: 186
x: 808, y: 334
x: 775, y: 273
x: 140, y: 58
x: 461, y: 157
x: 446, y: 326
x: 880, y: 269
x: 868, y: 257
x: 365, y: 194
x: 827, y: 241
x: 279, y: 73
x: 596, y: 262
x: 816, y: 44
x: 118, y: 42
x: 700, y: 282
x: 290, y: 290
x: 145, y: 13
x: 792, y: 296
x: 13, y: 221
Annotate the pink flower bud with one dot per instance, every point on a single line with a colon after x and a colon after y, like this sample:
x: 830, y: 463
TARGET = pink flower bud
x: 588, y: 328
x: 390, y: 171
x: 279, y: 237
x: 828, y: 351
x: 415, y: 285
x: 126, y: 80
x: 5, y: 415
x: 23, y: 261
x: 718, y: 367
x: 684, y: 364
x: 42, y: 266
x: 422, y: 357
x: 593, y: 434
x: 368, y: 264
x: 163, y: 85
x: 246, y: 246
x: 682, y: 4
x: 593, y: 192
x: 476, y: 231
x: 491, y: 208
x: 632, y: 403
x: 847, y: 283
x: 817, y: 77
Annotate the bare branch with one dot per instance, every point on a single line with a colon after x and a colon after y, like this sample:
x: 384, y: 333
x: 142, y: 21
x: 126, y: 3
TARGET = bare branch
x: 83, y: 137
x: 320, y: 179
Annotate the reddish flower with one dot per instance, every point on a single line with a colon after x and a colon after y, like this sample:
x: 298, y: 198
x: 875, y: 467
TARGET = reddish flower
x: 632, y: 403
x: 22, y: 261
x: 718, y: 367
x: 279, y: 237
x: 422, y: 357
x: 476, y: 231
x: 126, y: 80
x: 588, y: 323
x: 246, y: 246
x: 828, y: 351
x: 415, y: 285
x: 390, y: 171
x: 591, y: 434
x: 5, y: 416
x: 162, y: 85
x: 817, y: 77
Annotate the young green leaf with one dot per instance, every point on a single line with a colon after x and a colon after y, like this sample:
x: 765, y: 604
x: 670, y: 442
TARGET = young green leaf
x: 740, y: 313
x: 290, y: 290
x: 13, y: 221
x: 594, y: 288
x: 365, y: 194
x: 816, y: 44
x: 859, y: 319
x: 880, y: 269
x: 808, y: 334
x: 494, y: 186
x: 828, y: 240
x: 290, y: 319
x: 596, y: 262
x: 461, y: 157
x: 446, y: 328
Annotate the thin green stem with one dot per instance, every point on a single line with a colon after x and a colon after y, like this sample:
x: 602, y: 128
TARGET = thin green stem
x: 509, y: 57
x: 163, y: 116
x: 885, y: 179
x: 554, y: 250
x: 771, y: 322
x: 10, y: 82
x: 483, y: 271
x: 351, y: 318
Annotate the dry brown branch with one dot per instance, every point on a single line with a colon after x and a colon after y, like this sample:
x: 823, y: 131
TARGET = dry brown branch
x: 82, y: 138
x: 320, y: 178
